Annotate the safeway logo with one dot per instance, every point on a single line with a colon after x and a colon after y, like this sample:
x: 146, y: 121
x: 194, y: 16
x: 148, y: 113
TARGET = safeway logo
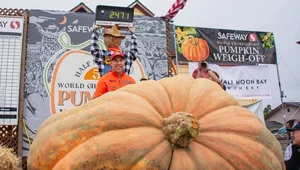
x: 15, y: 24
x: 252, y: 37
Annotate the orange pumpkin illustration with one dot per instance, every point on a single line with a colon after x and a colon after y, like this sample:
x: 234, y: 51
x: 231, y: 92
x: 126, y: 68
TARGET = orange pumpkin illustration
x: 195, y: 49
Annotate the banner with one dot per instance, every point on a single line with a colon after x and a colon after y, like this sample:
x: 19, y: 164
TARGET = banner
x: 242, y: 82
x: 11, y: 36
x: 60, y: 71
x: 227, y: 47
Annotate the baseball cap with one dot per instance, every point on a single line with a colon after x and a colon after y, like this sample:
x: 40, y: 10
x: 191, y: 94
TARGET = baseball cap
x: 115, y: 54
x: 295, y: 127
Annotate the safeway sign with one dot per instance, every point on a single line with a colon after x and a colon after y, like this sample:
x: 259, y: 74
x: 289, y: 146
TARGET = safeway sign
x: 11, y: 24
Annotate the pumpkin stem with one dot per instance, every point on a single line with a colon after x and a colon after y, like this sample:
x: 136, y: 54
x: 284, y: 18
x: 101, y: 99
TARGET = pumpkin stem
x: 193, y: 39
x: 179, y: 128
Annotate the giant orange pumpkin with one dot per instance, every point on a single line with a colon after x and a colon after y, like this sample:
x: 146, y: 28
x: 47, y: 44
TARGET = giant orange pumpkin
x: 195, y: 49
x: 174, y: 123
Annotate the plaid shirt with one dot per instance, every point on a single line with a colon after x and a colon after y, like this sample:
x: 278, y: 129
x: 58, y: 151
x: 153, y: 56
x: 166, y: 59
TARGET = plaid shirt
x: 99, y: 55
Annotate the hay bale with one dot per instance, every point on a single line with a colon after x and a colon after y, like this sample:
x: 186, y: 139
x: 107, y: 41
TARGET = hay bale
x: 8, y: 160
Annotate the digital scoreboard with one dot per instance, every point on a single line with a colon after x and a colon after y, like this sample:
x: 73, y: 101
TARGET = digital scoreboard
x: 110, y: 15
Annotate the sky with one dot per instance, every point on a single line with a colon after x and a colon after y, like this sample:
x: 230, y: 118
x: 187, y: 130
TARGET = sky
x: 278, y: 16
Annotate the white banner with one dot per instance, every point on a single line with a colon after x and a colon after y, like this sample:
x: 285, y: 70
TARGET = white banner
x: 11, y: 24
x: 242, y: 81
x: 11, y: 30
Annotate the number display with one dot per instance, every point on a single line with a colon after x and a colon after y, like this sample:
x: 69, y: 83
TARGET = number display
x: 119, y: 15
x: 111, y: 13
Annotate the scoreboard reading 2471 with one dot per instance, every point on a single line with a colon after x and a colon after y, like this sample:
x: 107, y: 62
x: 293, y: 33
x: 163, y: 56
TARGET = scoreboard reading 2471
x: 110, y: 15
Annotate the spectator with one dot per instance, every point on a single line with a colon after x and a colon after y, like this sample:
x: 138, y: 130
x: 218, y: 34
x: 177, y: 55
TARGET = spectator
x: 204, y: 72
x: 292, y: 152
x: 290, y: 124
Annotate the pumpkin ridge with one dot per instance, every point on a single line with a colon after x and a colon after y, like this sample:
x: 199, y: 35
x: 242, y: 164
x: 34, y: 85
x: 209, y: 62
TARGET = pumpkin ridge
x: 241, y: 132
x: 124, y: 89
x: 187, y: 156
x: 223, y: 107
x: 205, y: 133
x: 234, y: 112
x: 210, y: 92
x: 229, y: 159
x: 157, y: 146
x: 277, y: 156
x: 215, y: 153
x: 191, y: 92
x: 64, y: 114
x: 237, y: 131
x: 234, y: 108
x: 94, y: 138
x: 156, y: 111
x: 187, y: 103
x: 54, y: 118
x: 62, y: 156
x: 92, y: 111
x: 177, y: 82
x: 48, y: 128
x: 218, y: 154
x: 207, y: 48
x: 193, y: 53
x: 172, y: 106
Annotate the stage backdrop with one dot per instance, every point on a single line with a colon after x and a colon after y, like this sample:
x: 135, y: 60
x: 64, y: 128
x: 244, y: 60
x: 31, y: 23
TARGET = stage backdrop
x: 60, y: 72
x: 242, y: 82
x: 222, y: 46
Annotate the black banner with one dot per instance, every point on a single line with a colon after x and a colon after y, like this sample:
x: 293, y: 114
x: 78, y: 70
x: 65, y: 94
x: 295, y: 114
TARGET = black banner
x: 222, y: 46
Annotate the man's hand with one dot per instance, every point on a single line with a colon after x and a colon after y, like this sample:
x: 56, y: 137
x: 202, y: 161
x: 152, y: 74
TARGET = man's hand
x: 132, y: 30
x: 95, y: 26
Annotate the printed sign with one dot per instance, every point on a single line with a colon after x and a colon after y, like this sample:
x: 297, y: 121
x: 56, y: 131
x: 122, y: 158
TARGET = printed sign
x: 227, y: 47
x: 75, y: 88
x: 60, y: 71
x: 11, y: 34
x: 242, y: 82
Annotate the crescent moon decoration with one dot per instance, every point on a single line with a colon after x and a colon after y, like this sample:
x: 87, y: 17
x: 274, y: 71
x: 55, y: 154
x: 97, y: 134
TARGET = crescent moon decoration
x: 63, y: 21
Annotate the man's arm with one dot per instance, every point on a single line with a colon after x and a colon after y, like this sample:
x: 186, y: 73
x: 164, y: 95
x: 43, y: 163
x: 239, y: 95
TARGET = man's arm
x: 133, y: 47
x: 98, y: 55
x: 131, y: 56
x: 101, y: 88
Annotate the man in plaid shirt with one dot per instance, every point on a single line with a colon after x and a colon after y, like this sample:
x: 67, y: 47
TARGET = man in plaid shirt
x: 102, y: 57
